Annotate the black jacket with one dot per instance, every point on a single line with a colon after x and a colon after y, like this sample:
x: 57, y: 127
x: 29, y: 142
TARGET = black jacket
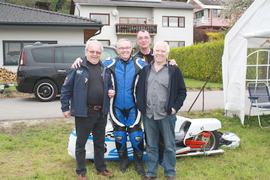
x: 75, y: 89
x: 177, y: 89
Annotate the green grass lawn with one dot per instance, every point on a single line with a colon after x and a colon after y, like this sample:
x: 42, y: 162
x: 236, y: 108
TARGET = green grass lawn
x: 39, y: 151
x: 195, y: 84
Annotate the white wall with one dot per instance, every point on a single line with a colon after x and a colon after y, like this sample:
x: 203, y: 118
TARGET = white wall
x: 107, y: 32
x: 174, y: 33
x: 153, y: 15
x: 62, y: 36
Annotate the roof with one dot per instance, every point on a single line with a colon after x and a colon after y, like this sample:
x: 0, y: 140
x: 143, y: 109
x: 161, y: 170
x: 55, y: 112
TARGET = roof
x: 206, y: 4
x: 211, y: 2
x: 12, y: 15
x: 134, y: 3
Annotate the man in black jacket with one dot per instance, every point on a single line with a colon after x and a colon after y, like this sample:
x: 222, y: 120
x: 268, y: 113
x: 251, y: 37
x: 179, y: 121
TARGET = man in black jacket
x: 89, y: 88
x: 160, y: 94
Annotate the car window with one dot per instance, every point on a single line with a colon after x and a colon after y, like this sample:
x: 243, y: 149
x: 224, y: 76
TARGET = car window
x: 66, y: 54
x: 43, y: 55
x: 70, y: 54
x: 107, y: 52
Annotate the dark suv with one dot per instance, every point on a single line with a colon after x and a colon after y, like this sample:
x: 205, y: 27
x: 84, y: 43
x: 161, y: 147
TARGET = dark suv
x: 43, y: 67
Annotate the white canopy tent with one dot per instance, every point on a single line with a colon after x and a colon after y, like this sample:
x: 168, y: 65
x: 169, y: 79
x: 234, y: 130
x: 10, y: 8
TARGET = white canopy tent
x: 252, y: 30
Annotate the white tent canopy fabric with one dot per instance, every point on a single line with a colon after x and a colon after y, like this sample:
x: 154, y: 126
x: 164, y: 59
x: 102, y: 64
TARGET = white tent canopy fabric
x: 252, y: 30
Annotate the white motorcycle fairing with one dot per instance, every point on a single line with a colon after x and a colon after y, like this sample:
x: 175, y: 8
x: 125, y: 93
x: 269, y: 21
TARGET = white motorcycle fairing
x: 202, y: 131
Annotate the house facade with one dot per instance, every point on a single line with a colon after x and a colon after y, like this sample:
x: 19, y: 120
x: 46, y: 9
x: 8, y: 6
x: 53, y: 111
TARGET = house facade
x: 208, y: 15
x: 170, y: 21
x: 21, y: 26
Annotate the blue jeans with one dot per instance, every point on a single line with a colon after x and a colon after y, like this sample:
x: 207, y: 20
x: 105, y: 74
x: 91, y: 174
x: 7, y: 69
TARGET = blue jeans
x: 166, y: 127
x: 95, y: 122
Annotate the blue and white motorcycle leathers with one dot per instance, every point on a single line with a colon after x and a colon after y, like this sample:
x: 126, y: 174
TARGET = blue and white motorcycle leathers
x: 126, y: 118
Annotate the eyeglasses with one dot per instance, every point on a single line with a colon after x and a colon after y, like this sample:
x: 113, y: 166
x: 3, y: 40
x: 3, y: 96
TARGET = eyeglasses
x: 122, y: 48
x: 146, y: 38
x: 93, y: 52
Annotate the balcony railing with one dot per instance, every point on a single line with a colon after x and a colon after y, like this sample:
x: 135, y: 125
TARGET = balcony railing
x: 134, y: 28
x: 202, y: 20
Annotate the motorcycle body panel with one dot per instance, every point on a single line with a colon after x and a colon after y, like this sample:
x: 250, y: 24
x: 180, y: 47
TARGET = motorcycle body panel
x: 198, y: 125
x: 193, y: 128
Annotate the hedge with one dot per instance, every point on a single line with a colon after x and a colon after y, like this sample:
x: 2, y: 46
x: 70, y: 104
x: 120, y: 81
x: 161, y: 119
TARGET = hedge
x: 200, y: 61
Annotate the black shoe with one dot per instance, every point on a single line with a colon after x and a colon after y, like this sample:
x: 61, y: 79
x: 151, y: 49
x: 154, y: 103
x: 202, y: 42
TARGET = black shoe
x: 138, y: 162
x: 123, y: 166
x: 122, y: 169
x: 149, y: 178
x: 170, y: 178
x: 123, y: 160
x: 140, y: 170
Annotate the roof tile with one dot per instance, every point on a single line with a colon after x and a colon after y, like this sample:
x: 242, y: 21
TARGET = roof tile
x: 14, y: 13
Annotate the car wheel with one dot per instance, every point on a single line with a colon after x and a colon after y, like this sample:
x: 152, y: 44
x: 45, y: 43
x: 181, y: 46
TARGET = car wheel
x: 45, y: 90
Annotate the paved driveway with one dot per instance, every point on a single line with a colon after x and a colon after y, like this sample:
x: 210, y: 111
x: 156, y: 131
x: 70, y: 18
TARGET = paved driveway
x: 31, y: 108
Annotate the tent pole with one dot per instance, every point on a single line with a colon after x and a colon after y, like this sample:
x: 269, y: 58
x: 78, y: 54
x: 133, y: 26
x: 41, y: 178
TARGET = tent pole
x: 202, y: 89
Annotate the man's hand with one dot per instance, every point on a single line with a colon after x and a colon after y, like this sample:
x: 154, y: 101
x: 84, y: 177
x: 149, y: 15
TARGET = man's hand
x: 67, y: 114
x: 173, y: 111
x: 77, y: 63
x: 172, y: 62
x: 111, y: 93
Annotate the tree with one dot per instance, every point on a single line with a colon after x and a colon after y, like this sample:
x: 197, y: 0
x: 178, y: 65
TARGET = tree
x: 62, y: 6
x: 233, y: 9
x: 59, y: 4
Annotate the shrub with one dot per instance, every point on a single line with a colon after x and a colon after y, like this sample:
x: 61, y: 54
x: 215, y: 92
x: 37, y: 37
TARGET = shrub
x: 200, y: 61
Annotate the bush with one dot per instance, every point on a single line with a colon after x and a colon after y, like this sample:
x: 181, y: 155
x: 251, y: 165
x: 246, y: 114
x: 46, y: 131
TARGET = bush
x: 200, y: 61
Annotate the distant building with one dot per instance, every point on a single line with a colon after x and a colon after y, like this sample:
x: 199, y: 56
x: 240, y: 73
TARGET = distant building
x: 207, y: 15
x: 170, y: 21
x: 21, y: 26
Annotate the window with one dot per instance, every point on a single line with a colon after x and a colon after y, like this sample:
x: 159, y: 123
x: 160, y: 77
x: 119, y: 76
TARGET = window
x: 107, y: 52
x: 216, y: 13
x: 104, y: 18
x: 43, y: 55
x: 12, y: 50
x: 71, y: 53
x: 173, y: 44
x: 258, y: 65
x: 132, y: 20
x: 171, y: 21
x: 199, y: 14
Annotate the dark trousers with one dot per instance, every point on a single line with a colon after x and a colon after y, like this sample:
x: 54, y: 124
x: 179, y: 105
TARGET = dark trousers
x: 95, y: 123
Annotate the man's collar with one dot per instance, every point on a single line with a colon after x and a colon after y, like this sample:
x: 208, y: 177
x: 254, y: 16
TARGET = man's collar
x: 151, y: 53
x: 166, y: 64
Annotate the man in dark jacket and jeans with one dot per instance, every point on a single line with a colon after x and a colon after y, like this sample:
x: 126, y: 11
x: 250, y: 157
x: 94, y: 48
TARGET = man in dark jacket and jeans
x: 160, y: 94
x: 89, y: 89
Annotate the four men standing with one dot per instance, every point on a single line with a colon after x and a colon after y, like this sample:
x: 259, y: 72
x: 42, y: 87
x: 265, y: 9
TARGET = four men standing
x: 160, y: 94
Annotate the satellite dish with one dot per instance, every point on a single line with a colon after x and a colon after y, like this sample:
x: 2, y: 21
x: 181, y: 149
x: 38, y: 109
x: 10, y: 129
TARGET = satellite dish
x: 115, y: 12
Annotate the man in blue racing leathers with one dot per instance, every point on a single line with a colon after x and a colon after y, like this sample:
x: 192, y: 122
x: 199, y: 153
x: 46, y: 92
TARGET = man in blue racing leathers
x: 124, y: 115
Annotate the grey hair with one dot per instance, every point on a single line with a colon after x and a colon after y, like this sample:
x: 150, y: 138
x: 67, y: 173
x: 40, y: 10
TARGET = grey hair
x: 163, y: 42
x: 143, y: 30
x: 91, y: 42
x: 123, y: 39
